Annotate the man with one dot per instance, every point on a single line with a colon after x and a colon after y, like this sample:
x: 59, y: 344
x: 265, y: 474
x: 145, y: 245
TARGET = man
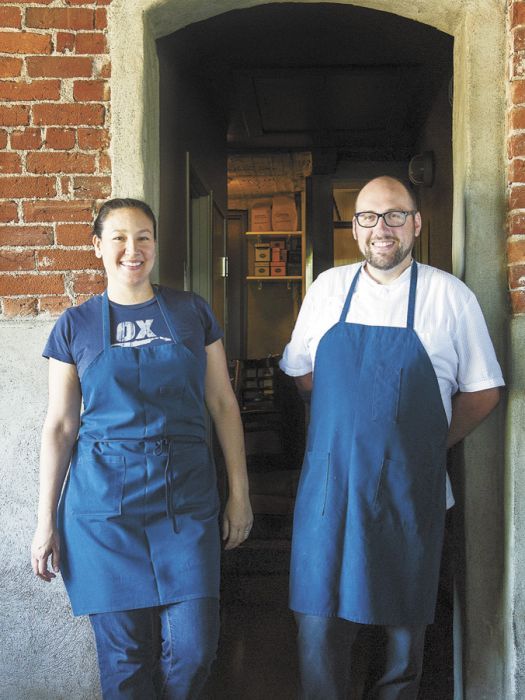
x: 400, y: 365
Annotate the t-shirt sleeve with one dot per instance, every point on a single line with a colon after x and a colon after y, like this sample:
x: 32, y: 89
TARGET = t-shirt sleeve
x: 297, y: 359
x: 58, y: 344
x: 212, y: 329
x: 478, y: 367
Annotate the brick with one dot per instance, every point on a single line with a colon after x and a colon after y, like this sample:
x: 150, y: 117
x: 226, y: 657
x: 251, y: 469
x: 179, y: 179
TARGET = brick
x: 91, y: 91
x: 518, y: 39
x: 104, y: 162
x: 26, y: 139
x: 16, y: 187
x: 94, y: 187
x: 518, y: 65
x: 65, y: 187
x: 27, y: 306
x: 104, y: 70
x: 54, y: 305
x: 516, y: 223
x: 81, y: 298
x: 59, y: 67
x: 11, y: 261
x: 516, y: 171
x: 26, y: 235
x: 517, y: 118
x: 68, y: 114
x: 516, y: 276
x: 10, y: 162
x: 89, y: 283
x: 54, y: 259
x: 91, y: 43
x: 25, y: 43
x: 17, y: 115
x: 15, y: 285
x: 515, y: 250
x: 97, y: 139
x: 47, y: 162
x: 517, y: 92
x: 518, y: 14
x: 3, y: 138
x: 60, y: 18
x: 87, y: 2
x: 47, y: 210
x: 517, y: 300
x: 101, y: 18
x: 32, y: 90
x: 10, y: 17
x: 517, y: 197
x: 60, y: 139
x: 65, y: 42
x: 74, y: 234
x: 8, y: 212
x: 10, y: 67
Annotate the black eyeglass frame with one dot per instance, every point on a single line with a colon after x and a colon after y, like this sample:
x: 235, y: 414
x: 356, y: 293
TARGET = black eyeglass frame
x: 383, y: 215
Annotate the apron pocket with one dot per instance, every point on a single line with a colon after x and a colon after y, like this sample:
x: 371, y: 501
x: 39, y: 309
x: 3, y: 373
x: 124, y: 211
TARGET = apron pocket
x: 386, y: 393
x: 313, y: 490
x: 192, y: 481
x: 405, y: 497
x: 96, y: 484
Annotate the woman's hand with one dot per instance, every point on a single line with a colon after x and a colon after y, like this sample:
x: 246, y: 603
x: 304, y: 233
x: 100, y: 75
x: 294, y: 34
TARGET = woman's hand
x: 46, y: 543
x: 237, y: 521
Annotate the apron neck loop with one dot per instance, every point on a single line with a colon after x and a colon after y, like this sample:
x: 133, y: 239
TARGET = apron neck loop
x: 412, y: 296
x: 106, y: 324
x: 344, y: 312
x: 164, y: 311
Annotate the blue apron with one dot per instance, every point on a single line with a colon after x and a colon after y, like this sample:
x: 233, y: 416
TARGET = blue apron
x: 138, y: 515
x: 369, y: 515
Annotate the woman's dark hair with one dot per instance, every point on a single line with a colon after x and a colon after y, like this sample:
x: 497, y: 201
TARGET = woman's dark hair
x: 122, y: 203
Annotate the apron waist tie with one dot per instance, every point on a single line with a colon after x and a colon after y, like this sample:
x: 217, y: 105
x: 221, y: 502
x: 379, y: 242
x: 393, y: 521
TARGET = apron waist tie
x: 160, y: 445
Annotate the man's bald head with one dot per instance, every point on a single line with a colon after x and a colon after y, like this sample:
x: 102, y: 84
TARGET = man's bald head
x: 385, y: 183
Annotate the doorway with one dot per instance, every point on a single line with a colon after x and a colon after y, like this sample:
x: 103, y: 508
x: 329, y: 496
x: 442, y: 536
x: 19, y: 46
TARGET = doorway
x: 478, y: 193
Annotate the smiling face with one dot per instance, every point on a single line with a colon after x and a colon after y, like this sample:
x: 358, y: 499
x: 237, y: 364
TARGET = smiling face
x: 127, y: 249
x: 386, y: 249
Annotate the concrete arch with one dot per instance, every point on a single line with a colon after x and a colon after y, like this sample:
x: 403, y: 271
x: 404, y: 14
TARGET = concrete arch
x: 478, y: 28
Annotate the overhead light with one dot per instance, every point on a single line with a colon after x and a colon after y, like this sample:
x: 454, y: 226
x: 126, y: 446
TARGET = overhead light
x: 421, y: 169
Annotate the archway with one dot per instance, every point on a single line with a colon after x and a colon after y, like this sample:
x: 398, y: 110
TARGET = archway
x: 479, y: 198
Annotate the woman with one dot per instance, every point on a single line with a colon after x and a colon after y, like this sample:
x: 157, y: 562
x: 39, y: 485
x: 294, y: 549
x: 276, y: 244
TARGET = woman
x: 136, y: 534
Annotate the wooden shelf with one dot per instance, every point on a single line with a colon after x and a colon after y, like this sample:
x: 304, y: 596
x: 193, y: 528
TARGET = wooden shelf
x: 274, y: 278
x: 274, y: 234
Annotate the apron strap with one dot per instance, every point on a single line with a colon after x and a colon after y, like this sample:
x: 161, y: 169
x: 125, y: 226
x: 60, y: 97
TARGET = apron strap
x: 344, y: 312
x: 106, y: 324
x: 412, y: 296
x: 164, y: 311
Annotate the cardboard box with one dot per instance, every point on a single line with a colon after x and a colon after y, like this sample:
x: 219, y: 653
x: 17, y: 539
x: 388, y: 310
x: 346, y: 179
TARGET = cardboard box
x: 277, y: 269
x: 262, y: 270
x: 284, y: 213
x: 262, y: 252
x: 276, y: 243
x: 276, y: 255
x: 261, y: 217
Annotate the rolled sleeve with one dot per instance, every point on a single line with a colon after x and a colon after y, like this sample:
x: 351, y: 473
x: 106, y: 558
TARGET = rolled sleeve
x: 478, y: 367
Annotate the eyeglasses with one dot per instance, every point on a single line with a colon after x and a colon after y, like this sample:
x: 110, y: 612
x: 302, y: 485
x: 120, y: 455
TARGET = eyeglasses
x: 368, y: 219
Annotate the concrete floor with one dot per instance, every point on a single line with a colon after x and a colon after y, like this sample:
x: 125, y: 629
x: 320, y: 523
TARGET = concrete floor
x: 257, y: 658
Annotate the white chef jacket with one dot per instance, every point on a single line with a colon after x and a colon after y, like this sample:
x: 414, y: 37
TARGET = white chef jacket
x: 448, y: 321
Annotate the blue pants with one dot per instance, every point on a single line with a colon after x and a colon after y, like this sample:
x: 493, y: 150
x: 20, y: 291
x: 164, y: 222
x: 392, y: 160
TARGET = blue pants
x: 135, y: 665
x: 325, y: 646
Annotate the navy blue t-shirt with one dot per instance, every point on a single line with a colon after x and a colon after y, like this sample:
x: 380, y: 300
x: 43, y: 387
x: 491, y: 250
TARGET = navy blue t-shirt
x: 77, y: 335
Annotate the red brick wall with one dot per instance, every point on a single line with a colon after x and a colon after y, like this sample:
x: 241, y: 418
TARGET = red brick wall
x: 516, y: 158
x: 54, y: 163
